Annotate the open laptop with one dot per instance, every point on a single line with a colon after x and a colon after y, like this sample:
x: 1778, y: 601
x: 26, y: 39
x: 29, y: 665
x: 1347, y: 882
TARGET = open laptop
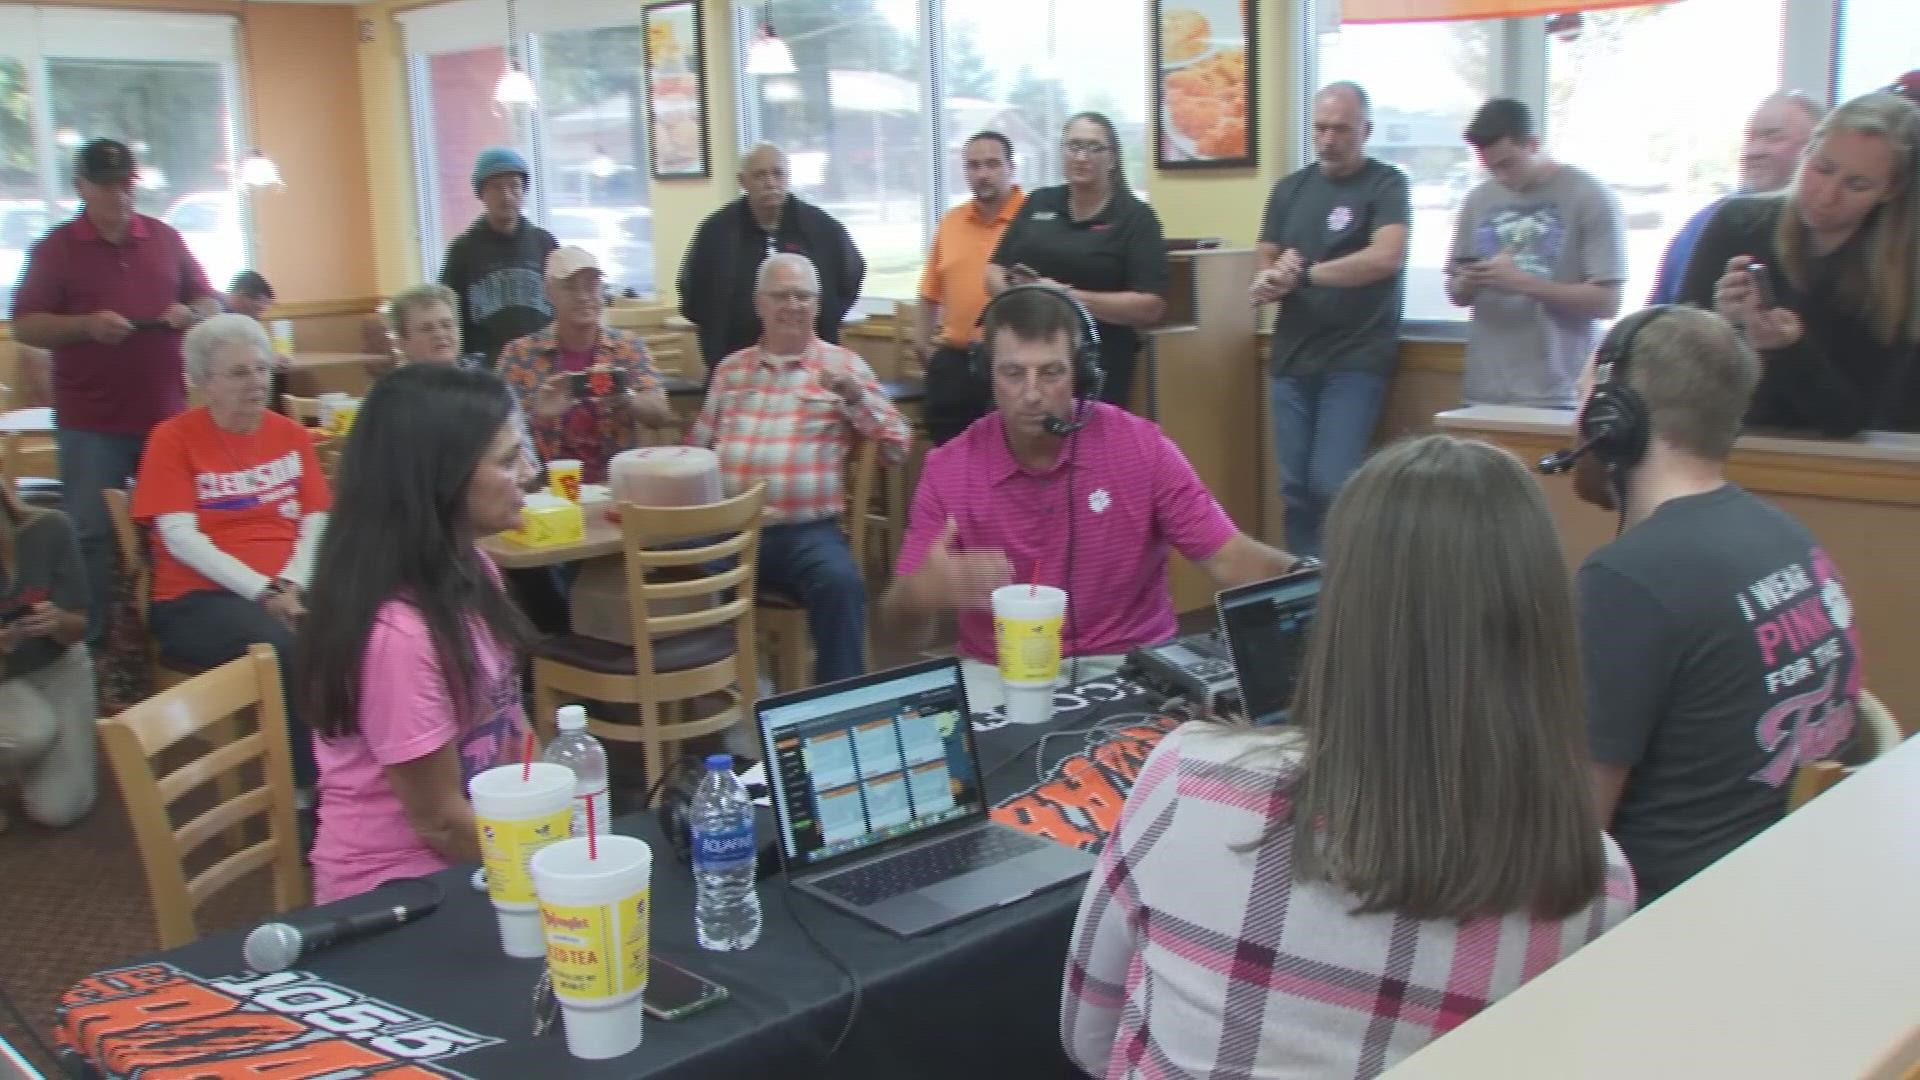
x: 1265, y: 627
x: 878, y: 798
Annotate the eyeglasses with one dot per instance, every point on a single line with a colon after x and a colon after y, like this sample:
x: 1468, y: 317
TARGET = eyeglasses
x: 791, y: 296
x: 1081, y: 148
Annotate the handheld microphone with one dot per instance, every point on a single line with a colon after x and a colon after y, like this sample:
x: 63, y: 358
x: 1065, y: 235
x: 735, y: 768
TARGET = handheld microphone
x: 277, y: 946
x: 1561, y: 460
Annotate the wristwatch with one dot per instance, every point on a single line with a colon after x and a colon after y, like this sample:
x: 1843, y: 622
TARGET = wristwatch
x: 279, y: 587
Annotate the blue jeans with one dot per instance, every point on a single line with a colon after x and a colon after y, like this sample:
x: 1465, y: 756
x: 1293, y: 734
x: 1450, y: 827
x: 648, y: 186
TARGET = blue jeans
x: 812, y: 560
x: 1321, y: 427
x: 208, y: 628
x: 90, y: 463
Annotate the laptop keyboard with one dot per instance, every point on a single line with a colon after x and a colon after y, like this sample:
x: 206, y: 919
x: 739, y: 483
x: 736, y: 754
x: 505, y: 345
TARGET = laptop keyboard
x: 928, y: 865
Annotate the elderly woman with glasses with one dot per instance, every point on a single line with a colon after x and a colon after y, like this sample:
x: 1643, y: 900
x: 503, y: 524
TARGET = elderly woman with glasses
x: 425, y: 322
x: 237, y: 504
x: 1093, y: 238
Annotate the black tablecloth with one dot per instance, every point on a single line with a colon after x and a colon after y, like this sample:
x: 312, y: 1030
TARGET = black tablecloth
x: 978, y: 999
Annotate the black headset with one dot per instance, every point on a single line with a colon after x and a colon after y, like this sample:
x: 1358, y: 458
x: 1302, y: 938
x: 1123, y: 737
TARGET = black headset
x: 1614, y: 426
x: 1088, y: 375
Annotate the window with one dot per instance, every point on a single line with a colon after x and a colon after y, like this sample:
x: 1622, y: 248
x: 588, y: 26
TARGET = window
x: 1652, y: 100
x: 165, y: 85
x: 1069, y: 56
x: 1425, y: 80
x: 584, y: 137
x: 856, y: 122
x: 1663, y: 163
x: 593, y: 155
x: 1876, y: 45
x: 851, y: 121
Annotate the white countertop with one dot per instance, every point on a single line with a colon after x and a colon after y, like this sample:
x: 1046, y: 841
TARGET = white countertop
x: 1797, y: 956
x: 1879, y: 445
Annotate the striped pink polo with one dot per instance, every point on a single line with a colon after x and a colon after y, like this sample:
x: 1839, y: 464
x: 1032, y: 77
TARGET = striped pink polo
x: 1133, y: 499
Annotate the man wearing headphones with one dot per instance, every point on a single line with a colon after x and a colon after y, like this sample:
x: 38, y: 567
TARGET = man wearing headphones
x: 1057, y: 488
x: 1717, y: 636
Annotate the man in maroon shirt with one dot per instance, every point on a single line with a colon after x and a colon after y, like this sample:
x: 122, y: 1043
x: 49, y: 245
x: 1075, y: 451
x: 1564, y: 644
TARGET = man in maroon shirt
x: 110, y: 293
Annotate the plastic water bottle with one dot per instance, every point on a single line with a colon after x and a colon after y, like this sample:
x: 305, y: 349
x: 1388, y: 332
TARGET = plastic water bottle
x: 726, y: 910
x: 582, y: 753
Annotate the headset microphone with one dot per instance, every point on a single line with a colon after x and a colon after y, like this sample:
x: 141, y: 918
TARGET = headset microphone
x: 1060, y: 426
x: 1561, y: 460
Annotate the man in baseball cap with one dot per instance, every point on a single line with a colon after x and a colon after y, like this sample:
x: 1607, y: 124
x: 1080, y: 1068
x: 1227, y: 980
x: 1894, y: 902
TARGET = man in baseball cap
x: 594, y: 420
x: 110, y: 294
x: 495, y: 266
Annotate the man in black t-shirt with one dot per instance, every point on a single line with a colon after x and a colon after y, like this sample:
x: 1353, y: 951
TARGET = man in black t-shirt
x: 1718, y: 638
x: 1333, y: 255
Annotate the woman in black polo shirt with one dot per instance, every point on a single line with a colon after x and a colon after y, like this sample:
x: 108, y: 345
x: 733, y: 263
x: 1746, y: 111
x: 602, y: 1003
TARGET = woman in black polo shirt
x: 1092, y: 237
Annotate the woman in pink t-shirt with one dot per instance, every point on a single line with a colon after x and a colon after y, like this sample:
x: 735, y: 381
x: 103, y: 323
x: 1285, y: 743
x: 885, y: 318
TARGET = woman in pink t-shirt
x: 410, y: 658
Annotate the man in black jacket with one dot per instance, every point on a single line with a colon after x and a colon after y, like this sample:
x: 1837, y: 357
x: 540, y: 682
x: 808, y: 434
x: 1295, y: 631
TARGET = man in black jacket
x: 497, y: 267
x: 717, y: 274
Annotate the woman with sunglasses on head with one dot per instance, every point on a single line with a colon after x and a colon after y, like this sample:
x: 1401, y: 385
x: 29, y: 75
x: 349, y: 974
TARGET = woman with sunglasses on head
x: 1824, y: 278
x: 1418, y: 841
x: 1094, y: 238
x: 410, y: 659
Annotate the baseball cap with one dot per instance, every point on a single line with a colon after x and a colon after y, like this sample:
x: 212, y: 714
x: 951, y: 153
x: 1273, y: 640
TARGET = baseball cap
x: 496, y: 160
x: 105, y: 161
x: 564, y: 262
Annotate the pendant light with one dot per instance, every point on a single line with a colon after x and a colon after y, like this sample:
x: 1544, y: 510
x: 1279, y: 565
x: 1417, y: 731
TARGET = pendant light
x: 768, y: 55
x: 257, y: 170
x: 516, y: 86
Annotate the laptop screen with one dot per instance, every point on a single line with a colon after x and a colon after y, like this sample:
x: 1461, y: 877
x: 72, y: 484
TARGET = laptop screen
x: 1266, y: 630
x: 857, y: 764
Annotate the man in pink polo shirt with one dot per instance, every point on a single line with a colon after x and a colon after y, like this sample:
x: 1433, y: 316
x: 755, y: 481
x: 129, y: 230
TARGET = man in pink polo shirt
x: 110, y: 293
x: 1094, y: 511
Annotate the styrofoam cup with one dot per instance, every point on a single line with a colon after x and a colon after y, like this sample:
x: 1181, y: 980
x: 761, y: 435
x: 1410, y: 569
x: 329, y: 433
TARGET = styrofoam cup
x: 517, y: 818
x: 1026, y: 633
x: 1029, y: 704
x: 596, y: 919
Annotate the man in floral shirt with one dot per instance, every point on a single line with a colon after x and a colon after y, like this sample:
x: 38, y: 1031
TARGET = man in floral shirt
x: 590, y: 418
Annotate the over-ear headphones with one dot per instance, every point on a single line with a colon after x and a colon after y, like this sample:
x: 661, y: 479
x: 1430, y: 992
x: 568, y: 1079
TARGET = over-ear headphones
x: 1614, y: 425
x: 1088, y: 375
x: 675, y: 789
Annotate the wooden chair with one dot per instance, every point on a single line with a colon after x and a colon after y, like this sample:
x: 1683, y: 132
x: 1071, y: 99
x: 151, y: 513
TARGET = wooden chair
x: 134, y: 563
x: 783, y: 619
x: 676, y: 658
x: 29, y: 462
x: 1876, y: 725
x: 192, y: 711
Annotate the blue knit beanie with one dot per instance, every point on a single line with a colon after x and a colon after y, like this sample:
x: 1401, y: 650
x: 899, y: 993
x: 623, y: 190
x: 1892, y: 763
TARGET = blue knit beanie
x: 495, y: 160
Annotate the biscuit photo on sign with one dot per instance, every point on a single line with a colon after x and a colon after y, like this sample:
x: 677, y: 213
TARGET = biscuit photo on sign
x: 1183, y: 34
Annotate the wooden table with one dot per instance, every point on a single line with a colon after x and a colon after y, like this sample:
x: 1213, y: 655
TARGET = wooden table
x: 310, y: 374
x: 27, y: 422
x: 602, y: 538
x: 1796, y: 956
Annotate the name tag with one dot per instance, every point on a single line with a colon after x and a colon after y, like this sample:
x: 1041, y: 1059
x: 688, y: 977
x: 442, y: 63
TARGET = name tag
x: 1044, y: 215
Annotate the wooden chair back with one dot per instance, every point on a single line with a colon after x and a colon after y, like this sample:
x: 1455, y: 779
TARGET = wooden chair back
x: 128, y: 543
x: 728, y: 532
x: 24, y: 456
x: 1876, y: 726
x: 187, y: 716
x: 863, y: 473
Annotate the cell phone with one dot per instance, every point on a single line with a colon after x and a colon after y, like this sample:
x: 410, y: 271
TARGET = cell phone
x: 601, y: 382
x: 673, y: 992
x: 1762, y: 279
x: 148, y: 324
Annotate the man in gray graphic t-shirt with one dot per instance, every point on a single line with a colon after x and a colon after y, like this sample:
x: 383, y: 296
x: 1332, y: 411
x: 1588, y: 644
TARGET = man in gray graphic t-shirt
x: 1539, y: 256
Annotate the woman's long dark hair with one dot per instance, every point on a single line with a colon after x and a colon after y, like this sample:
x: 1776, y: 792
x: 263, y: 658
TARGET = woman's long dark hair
x: 397, y: 532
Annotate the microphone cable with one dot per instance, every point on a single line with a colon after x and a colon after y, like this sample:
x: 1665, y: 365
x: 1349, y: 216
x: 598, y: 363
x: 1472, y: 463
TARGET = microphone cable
x: 846, y: 971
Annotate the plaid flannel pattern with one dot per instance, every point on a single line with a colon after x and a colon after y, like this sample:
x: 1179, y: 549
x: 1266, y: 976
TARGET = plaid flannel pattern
x: 1254, y: 974
x: 773, y: 422
x: 592, y: 430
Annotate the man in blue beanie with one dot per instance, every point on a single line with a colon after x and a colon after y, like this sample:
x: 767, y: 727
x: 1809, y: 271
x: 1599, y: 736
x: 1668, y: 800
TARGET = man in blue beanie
x: 496, y: 266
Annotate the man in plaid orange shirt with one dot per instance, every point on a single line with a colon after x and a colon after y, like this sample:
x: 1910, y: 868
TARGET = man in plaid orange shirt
x: 785, y: 413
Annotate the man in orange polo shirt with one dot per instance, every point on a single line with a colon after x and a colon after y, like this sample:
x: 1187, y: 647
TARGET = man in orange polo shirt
x: 953, y: 288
